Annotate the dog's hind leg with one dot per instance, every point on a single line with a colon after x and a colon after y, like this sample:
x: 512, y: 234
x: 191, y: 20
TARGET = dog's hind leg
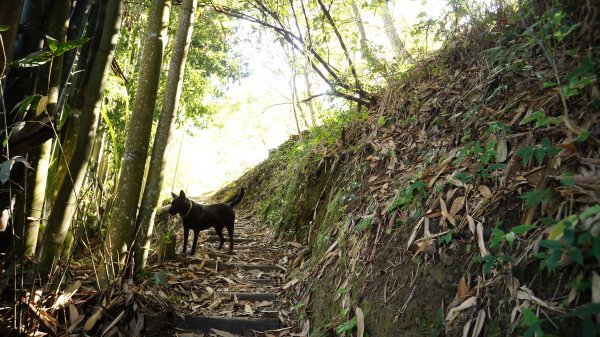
x: 230, y: 232
x: 219, y: 231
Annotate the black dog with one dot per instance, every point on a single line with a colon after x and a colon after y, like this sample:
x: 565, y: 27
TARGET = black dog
x: 200, y: 217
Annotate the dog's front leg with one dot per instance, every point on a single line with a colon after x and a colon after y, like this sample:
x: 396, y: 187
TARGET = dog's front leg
x: 186, y: 231
x: 195, y: 241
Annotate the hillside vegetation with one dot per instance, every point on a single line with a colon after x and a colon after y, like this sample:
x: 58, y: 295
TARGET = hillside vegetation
x: 465, y: 202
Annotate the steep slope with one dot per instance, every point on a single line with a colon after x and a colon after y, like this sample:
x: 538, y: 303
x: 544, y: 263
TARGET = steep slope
x: 465, y: 203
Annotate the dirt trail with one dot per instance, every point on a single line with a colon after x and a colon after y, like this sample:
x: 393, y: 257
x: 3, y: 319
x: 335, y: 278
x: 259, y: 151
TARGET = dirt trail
x: 218, y: 294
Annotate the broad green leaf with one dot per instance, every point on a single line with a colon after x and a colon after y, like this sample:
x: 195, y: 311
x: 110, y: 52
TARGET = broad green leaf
x: 4, y: 28
x: 522, y: 229
x: 582, y: 137
x: 497, y: 238
x: 590, y: 211
x: 575, y: 254
x: 5, y: 170
x: 567, y: 179
x: 34, y: 59
x: 553, y: 259
x: 526, y: 153
x: 346, y: 326
x: 549, y: 84
x: 551, y: 244
x: 529, y: 317
x: 64, y: 47
x: 510, y: 237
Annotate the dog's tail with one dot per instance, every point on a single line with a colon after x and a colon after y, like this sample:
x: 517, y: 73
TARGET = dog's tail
x: 237, y: 199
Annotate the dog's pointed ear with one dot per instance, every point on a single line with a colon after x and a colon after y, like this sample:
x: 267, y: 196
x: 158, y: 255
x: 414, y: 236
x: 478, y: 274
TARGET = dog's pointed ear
x: 181, y: 194
x: 174, y: 195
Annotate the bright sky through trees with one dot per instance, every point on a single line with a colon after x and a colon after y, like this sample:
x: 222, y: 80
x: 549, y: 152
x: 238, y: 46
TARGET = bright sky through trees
x: 256, y: 113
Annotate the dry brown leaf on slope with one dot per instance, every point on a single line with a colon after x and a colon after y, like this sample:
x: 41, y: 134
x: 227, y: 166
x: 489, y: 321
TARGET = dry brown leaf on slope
x: 360, y: 322
x: 445, y: 213
x: 66, y: 295
x: 480, y: 241
x: 454, y: 312
x: 457, y: 205
x: 462, y: 289
x: 485, y: 191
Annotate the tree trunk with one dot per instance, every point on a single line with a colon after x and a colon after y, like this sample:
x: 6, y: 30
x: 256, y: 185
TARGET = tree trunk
x: 390, y: 30
x: 124, y: 210
x: 66, y: 199
x: 372, y: 61
x: 27, y: 226
x: 10, y: 14
x: 154, y: 181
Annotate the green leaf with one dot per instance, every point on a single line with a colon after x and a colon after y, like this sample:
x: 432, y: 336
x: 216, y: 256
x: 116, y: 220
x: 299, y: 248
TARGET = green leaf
x: 363, y: 224
x: 522, y: 229
x: 553, y: 259
x: 567, y: 179
x: 346, y: 326
x: 497, y: 238
x: 5, y: 170
x: 537, y: 197
x: 526, y: 153
x: 551, y: 244
x: 575, y: 254
x: 529, y: 317
x: 63, y: 47
x: 549, y: 84
x: 4, y: 28
x: 590, y: 211
x: 34, y: 59
x: 510, y: 237
x: 582, y: 137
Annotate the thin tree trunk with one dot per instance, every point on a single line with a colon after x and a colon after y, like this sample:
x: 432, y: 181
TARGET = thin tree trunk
x: 10, y: 14
x: 372, y: 60
x: 66, y: 199
x: 50, y: 74
x: 390, y: 30
x: 311, y: 106
x: 124, y: 210
x: 155, y: 178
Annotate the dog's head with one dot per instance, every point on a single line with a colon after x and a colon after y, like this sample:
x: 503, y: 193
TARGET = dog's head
x: 180, y: 204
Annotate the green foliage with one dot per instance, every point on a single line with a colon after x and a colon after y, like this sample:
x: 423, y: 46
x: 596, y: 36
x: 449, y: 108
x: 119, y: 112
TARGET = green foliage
x: 585, y: 313
x: 363, y: 224
x: 537, y: 197
x: 540, y: 119
x: 346, y: 326
x: 491, y: 261
x: 566, y: 238
x: 6, y: 167
x: 406, y: 197
x: 39, y: 58
x: 582, y: 77
x: 539, y: 151
x: 499, y: 235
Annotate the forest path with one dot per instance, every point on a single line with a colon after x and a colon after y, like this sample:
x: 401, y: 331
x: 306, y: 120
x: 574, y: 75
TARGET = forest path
x: 240, y: 294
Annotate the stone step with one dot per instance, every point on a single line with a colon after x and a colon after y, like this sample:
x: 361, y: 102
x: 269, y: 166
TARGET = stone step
x: 252, y: 297
x: 236, y: 325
